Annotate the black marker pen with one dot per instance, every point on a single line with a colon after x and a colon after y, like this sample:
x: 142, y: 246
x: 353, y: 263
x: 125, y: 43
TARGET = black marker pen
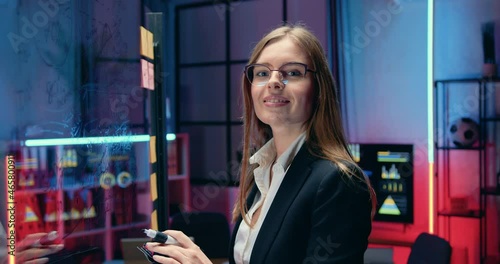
x: 160, y: 237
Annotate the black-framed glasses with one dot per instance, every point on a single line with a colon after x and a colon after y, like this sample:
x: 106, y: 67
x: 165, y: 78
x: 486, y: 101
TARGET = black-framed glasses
x: 259, y: 74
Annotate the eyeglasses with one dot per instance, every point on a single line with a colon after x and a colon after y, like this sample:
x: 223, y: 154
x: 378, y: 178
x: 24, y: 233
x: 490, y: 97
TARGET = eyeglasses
x: 259, y: 74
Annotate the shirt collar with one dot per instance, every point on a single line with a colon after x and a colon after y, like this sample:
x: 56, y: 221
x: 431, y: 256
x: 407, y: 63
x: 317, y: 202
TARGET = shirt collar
x: 267, y: 153
x: 265, y: 157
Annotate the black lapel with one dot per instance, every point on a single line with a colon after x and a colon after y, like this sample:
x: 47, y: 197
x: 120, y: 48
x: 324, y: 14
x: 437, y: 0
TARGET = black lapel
x: 292, y: 183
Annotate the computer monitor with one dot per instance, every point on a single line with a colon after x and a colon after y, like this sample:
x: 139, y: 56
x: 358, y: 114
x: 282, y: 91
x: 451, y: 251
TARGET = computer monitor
x: 390, y: 170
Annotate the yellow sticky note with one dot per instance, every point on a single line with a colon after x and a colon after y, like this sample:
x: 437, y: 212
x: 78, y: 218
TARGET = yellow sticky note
x: 144, y: 41
x: 150, y: 49
x: 152, y: 184
x: 154, y: 220
x: 152, y: 149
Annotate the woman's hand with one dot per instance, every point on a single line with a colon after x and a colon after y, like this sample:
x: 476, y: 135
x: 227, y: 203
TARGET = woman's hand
x: 27, y: 254
x: 187, y: 252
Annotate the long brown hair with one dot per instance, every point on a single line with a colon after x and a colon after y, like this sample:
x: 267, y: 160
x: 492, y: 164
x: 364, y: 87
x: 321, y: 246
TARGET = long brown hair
x: 325, y: 133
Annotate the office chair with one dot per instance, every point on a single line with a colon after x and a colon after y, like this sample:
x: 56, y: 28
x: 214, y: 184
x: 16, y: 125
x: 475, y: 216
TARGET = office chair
x: 430, y: 249
x: 210, y: 231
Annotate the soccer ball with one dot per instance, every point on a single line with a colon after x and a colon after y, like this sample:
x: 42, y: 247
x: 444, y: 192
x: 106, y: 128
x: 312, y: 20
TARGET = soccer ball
x: 464, y: 132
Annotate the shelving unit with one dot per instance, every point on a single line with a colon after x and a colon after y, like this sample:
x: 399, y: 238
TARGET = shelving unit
x: 69, y: 193
x: 179, y: 174
x: 83, y: 196
x: 481, y: 154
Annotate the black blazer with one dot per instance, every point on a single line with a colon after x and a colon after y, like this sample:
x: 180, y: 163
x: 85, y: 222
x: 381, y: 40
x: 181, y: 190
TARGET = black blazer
x: 317, y: 216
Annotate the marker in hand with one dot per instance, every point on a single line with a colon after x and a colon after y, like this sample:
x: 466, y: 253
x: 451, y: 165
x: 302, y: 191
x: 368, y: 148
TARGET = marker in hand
x: 160, y: 237
x: 46, y: 240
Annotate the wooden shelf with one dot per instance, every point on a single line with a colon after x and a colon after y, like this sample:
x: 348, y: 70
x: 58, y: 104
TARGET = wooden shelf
x: 468, y: 80
x: 492, y: 119
x: 132, y: 225
x: 53, y: 188
x: 491, y: 260
x: 96, y: 231
x: 465, y: 214
x: 35, y: 191
x: 458, y: 80
x: 177, y: 177
x: 458, y: 148
x: 491, y: 191
x: 179, y: 180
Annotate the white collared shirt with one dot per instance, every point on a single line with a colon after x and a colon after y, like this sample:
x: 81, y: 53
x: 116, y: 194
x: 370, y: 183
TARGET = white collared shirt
x: 246, y: 236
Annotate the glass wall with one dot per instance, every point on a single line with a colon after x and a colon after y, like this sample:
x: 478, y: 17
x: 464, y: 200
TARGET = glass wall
x: 75, y: 139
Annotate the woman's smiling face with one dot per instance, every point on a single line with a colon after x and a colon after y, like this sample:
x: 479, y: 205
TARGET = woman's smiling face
x: 284, y: 106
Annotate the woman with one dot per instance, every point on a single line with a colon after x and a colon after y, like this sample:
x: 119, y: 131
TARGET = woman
x: 302, y: 197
